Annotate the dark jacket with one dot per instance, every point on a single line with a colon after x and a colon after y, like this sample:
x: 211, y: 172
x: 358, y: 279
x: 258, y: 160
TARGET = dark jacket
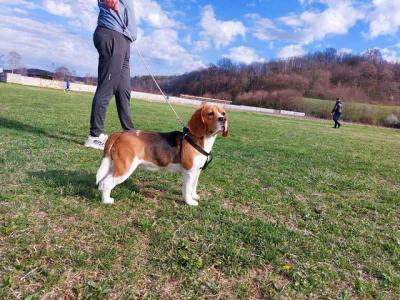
x: 338, y: 108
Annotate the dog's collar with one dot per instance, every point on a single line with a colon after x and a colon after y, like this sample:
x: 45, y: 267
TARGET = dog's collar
x: 188, y: 137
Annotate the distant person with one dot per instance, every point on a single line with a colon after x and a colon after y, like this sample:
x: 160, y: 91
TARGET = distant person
x: 67, y: 85
x: 337, y: 112
x: 116, y: 30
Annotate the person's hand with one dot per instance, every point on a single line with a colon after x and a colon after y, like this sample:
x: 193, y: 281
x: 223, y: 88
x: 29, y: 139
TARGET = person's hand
x: 112, y: 4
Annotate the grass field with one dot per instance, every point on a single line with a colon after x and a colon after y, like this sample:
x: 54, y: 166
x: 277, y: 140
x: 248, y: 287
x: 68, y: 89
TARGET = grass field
x: 290, y: 208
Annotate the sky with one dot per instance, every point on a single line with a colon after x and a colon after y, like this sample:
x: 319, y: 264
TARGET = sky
x: 177, y: 36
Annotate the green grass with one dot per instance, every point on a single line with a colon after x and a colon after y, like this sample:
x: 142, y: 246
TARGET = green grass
x: 366, y: 113
x: 290, y: 208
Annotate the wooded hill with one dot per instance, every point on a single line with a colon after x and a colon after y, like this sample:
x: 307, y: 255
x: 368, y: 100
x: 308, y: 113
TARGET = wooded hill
x: 325, y: 74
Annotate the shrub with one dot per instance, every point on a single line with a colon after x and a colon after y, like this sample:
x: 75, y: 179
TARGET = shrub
x: 282, y: 99
x: 347, y: 93
x: 220, y: 96
x: 285, y: 82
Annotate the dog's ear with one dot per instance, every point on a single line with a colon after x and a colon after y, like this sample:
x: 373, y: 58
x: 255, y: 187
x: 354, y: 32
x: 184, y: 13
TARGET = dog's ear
x: 196, y: 124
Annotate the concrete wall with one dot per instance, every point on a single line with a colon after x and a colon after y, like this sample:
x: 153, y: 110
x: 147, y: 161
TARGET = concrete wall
x: 79, y: 87
x: 24, y: 80
x: 46, y: 83
x: 54, y: 84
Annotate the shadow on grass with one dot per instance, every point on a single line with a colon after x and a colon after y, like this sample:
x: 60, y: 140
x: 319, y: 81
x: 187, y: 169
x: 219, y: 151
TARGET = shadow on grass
x: 16, y: 125
x: 69, y: 183
x: 81, y: 184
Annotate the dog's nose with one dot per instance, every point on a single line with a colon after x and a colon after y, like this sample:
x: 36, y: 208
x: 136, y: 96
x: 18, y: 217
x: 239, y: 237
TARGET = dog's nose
x: 221, y: 119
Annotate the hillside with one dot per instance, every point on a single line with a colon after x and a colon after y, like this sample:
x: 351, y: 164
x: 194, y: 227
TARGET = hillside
x: 279, y: 83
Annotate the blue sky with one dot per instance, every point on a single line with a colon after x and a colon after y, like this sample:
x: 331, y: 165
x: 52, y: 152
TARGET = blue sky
x: 177, y: 36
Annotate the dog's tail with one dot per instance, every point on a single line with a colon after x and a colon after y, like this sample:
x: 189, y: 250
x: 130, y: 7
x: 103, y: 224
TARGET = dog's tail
x: 106, y: 163
x: 110, y: 143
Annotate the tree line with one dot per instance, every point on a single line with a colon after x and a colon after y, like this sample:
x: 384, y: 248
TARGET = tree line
x: 279, y: 83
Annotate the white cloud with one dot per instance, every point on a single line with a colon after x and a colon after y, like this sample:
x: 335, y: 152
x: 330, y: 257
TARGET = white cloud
x: 262, y: 28
x: 390, y: 55
x: 42, y: 43
x: 202, y: 45
x: 150, y: 12
x: 79, y: 13
x: 58, y: 8
x: 291, y: 51
x: 385, y: 18
x: 336, y: 19
x: 84, y: 13
x: 188, y: 39
x: 20, y: 11
x: 222, y: 33
x: 343, y: 51
x: 292, y: 20
x: 244, y: 55
x: 162, y: 46
x: 25, y: 4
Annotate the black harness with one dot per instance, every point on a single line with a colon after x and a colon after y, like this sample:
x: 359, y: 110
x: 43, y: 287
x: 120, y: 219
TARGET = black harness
x: 188, y: 137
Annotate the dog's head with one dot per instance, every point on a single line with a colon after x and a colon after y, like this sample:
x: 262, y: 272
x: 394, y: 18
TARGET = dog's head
x: 209, y: 119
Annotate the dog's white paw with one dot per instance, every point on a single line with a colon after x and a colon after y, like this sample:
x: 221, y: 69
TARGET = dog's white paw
x: 191, y: 202
x: 108, y: 201
x: 196, y: 196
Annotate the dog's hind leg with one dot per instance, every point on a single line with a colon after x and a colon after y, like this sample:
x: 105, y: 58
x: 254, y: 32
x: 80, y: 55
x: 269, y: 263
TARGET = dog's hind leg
x: 110, y: 181
x: 104, y: 169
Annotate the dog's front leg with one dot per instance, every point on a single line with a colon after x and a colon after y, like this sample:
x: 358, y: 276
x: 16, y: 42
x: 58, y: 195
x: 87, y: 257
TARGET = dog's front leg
x: 195, y: 196
x: 189, y: 177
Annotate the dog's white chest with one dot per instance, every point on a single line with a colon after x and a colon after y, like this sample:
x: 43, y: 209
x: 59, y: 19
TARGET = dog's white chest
x: 201, y: 159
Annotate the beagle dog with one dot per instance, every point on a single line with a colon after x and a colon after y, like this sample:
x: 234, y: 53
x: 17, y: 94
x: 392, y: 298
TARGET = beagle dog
x: 125, y: 151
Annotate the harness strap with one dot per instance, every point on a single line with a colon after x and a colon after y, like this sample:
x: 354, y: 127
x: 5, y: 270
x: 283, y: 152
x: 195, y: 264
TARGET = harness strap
x: 188, y: 137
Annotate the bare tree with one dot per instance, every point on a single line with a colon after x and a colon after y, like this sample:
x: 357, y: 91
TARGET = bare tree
x: 90, y: 80
x: 62, y: 73
x: 22, y: 70
x: 14, y: 60
x: 373, y: 55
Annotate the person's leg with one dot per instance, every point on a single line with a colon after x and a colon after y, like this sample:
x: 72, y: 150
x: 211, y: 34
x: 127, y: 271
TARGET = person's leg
x: 110, y: 63
x: 334, y: 120
x: 338, y: 121
x: 123, y: 92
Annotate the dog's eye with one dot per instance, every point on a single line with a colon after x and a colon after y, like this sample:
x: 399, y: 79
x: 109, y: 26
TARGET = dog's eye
x: 223, y: 113
x: 211, y: 113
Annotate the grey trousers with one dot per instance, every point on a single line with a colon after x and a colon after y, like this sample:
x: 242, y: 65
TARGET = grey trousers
x: 113, y: 79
